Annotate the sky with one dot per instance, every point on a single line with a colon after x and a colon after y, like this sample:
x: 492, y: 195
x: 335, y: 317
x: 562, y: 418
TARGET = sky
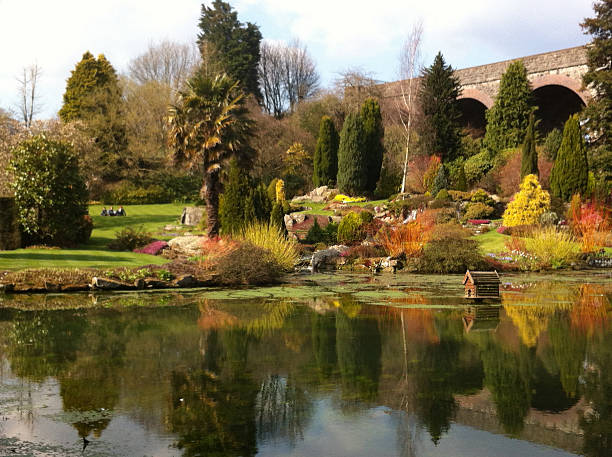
x: 339, y: 34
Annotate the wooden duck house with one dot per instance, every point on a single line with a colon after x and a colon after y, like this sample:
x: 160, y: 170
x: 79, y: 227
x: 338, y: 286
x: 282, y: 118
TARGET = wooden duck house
x: 481, y: 284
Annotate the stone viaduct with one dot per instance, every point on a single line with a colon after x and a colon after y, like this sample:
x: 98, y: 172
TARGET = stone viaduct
x: 555, y: 77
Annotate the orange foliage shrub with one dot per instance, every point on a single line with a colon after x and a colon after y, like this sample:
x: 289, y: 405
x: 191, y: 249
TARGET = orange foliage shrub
x: 516, y: 244
x: 591, y: 221
x: 408, y: 239
x: 213, y: 249
x: 417, y: 168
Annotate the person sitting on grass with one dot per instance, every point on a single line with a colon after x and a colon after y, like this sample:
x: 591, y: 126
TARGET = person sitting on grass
x: 111, y: 212
x: 120, y: 212
x: 104, y: 212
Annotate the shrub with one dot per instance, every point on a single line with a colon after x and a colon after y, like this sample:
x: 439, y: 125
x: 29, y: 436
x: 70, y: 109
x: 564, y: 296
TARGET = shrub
x: 352, y: 161
x: 443, y: 195
x: 401, y: 208
x: 280, y: 190
x: 315, y: 234
x: 457, y: 195
x: 449, y: 231
x: 552, y: 248
x: 282, y: 250
x: 528, y: 204
x: 213, y: 249
x: 480, y: 196
x: 450, y: 256
x: 446, y: 215
x: 477, y: 211
x: 406, y: 239
x: 128, y: 194
x: 374, y: 134
x: 248, y: 264
x: 271, y: 190
x: 570, y: 171
x: 477, y: 166
x: 440, y: 182
x: 432, y: 172
x: 549, y: 218
x: 50, y: 193
x: 363, y: 252
x: 591, y: 221
x: 349, y: 229
x: 130, y: 238
x: 346, y: 199
x: 366, y: 217
x: 325, y: 160
x: 153, y: 248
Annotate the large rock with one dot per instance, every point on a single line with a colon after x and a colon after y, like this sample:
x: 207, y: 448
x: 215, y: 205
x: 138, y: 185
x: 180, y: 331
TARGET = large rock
x: 327, y: 257
x: 108, y: 284
x: 186, y: 245
x: 192, y: 215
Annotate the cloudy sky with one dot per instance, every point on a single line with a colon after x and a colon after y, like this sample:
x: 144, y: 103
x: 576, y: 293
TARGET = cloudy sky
x: 339, y: 34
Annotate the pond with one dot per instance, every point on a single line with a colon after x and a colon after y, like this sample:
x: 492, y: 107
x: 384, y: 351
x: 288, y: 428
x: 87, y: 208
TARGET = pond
x: 330, y: 365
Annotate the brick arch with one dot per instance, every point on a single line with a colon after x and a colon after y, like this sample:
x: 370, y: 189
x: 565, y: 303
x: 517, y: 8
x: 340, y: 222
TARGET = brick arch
x: 563, y: 81
x: 477, y: 95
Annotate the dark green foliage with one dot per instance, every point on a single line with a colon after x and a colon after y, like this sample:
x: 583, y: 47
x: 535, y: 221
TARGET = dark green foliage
x: 352, y: 162
x: 248, y: 265
x: 440, y: 181
x: 234, y: 46
x: 450, y: 256
x: 477, y: 211
x: 366, y: 217
x: 50, y: 193
x: 477, y: 166
x: 233, y: 204
x: 349, y: 229
x: 277, y: 215
x: 272, y: 190
x: 94, y: 97
x: 402, y: 208
x: 315, y: 233
x: 599, y: 77
x: 570, y: 173
x: 326, y: 154
x: 529, y: 158
x: 552, y: 143
x: 508, y: 118
x: 443, y: 195
x: 389, y: 183
x: 374, y: 134
x: 262, y: 205
x: 439, y: 130
x: 128, y: 194
x: 130, y: 238
x: 460, y: 182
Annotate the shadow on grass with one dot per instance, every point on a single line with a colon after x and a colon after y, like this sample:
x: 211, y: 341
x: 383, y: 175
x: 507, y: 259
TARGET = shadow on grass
x: 54, y: 257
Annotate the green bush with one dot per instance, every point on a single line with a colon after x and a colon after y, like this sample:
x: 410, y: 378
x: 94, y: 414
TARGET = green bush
x: 477, y: 211
x: 248, y: 265
x: 271, y: 190
x: 450, y: 256
x: 269, y: 237
x: 480, y: 196
x: 130, y: 238
x: 50, y: 193
x: 552, y: 143
x: 443, y: 195
x: 128, y: 194
x: 327, y: 235
x: 401, y: 208
x: 477, y: 166
x: 349, y: 230
x: 366, y: 217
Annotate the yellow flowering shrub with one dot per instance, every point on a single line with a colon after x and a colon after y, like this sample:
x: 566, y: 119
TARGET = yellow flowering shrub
x: 346, y: 199
x: 280, y: 190
x: 528, y: 204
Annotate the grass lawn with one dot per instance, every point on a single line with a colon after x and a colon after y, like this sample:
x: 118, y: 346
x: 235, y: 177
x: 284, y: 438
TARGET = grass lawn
x: 317, y: 208
x: 94, y: 253
x: 491, y: 241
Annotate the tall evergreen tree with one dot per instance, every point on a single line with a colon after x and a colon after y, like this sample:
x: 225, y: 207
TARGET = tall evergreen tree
x: 439, y: 129
x: 570, y: 172
x: 508, y: 117
x: 235, y: 200
x: 352, y: 172
x: 233, y: 46
x: 93, y: 96
x: 326, y: 154
x: 374, y: 133
x: 529, y: 162
x: 599, y: 77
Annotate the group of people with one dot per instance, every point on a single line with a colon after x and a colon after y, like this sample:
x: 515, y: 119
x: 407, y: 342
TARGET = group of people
x: 112, y: 212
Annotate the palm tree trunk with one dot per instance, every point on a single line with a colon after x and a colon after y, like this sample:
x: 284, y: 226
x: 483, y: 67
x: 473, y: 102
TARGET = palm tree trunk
x: 211, y: 195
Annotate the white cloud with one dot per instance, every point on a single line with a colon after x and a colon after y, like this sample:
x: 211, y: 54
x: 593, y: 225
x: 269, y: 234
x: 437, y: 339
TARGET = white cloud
x: 338, y: 33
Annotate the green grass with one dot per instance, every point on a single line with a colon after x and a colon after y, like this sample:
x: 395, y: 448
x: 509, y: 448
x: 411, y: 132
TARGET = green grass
x: 94, y: 254
x: 317, y: 208
x: 491, y: 241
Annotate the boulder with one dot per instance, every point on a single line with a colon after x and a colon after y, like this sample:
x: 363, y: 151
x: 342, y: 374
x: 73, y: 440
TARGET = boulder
x: 327, y: 257
x: 192, y: 215
x: 187, y: 281
x: 156, y: 284
x: 108, y: 284
x: 188, y: 245
x: 51, y: 287
x: 7, y: 288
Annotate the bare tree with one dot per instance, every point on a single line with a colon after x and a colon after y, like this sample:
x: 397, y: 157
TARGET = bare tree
x: 409, y: 68
x: 166, y: 62
x: 29, y: 100
x: 287, y: 76
x: 354, y: 85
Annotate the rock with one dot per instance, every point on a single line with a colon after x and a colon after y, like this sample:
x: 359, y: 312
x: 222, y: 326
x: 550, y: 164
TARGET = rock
x: 300, y: 199
x: 172, y: 228
x: 318, y: 199
x: 74, y: 287
x: 50, y: 287
x: 495, y: 198
x: 299, y: 218
x: 335, y: 219
x: 156, y: 284
x: 139, y: 284
x: 319, y: 191
x: 327, y: 257
x: 288, y: 221
x: 187, y: 281
x: 108, y: 284
x: 7, y: 288
x: 186, y: 245
x: 192, y: 215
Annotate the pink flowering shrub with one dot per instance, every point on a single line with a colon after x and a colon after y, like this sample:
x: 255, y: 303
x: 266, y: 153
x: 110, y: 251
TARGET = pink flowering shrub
x: 153, y: 248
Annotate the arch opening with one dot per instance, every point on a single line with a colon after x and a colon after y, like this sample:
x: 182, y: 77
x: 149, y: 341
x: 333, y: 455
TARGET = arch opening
x: 555, y: 105
x: 472, y: 117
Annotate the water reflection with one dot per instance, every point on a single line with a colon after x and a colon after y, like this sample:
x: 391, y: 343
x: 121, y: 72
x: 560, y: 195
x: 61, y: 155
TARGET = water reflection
x: 327, y: 376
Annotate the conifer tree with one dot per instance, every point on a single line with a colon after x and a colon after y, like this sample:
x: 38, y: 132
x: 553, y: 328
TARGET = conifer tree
x: 326, y: 154
x: 352, y: 173
x: 570, y: 171
x: 374, y: 133
x: 461, y: 181
x: 440, y: 181
x: 93, y: 96
x: 508, y: 117
x: 439, y: 129
x: 599, y: 78
x: 234, y: 46
x: 277, y: 215
x: 234, y: 200
x: 529, y: 162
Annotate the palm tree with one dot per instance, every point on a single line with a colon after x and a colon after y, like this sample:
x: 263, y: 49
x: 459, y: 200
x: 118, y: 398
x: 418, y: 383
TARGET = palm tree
x: 207, y: 126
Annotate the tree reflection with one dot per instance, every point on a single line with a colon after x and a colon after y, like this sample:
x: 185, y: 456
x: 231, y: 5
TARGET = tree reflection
x: 324, y: 343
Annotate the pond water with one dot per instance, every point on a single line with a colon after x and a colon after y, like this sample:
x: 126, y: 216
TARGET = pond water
x: 328, y: 366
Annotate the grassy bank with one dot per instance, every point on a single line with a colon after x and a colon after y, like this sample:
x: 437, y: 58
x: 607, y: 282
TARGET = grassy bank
x: 95, y: 253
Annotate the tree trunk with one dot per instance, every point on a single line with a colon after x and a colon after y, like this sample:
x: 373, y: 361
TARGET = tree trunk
x: 211, y: 195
